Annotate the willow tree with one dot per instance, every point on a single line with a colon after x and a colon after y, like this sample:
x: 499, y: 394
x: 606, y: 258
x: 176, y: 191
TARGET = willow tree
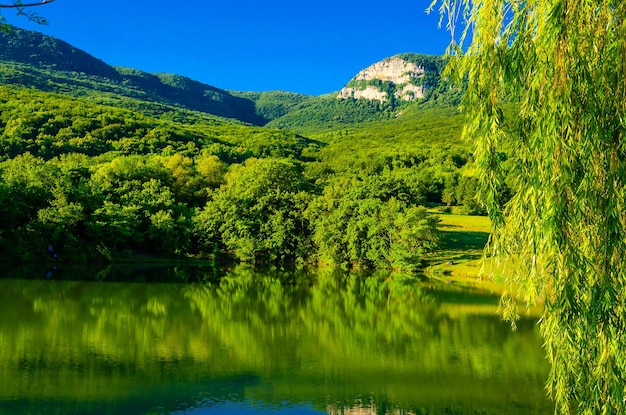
x: 562, y: 65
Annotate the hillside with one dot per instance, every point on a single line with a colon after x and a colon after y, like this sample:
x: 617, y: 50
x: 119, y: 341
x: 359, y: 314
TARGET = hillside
x: 37, y: 50
x: 49, y: 64
x: 49, y: 125
x: 382, y: 91
x: 35, y: 60
x: 113, y: 163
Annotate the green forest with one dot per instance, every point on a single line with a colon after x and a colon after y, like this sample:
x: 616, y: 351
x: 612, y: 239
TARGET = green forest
x: 109, y: 164
x: 113, y: 164
x: 92, y: 180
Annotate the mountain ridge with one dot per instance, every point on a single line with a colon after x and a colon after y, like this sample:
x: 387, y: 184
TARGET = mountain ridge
x: 36, y: 60
x: 44, y: 55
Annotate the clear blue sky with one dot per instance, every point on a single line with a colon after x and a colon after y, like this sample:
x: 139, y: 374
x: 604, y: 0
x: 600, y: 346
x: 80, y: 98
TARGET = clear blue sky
x: 310, y: 47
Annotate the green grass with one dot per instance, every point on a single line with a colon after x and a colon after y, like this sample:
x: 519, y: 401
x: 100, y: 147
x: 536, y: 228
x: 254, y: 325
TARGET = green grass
x: 460, y: 258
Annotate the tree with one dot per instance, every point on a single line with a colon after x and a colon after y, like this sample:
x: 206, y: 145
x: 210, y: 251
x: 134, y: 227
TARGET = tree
x: 563, y: 64
x: 366, y: 224
x: 21, y: 9
x: 257, y: 215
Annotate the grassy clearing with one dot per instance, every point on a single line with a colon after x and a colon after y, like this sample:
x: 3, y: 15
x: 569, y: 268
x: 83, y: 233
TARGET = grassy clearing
x: 461, y: 257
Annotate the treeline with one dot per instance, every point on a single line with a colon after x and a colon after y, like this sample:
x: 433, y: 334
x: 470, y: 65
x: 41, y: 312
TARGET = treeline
x: 262, y: 210
x: 86, y: 181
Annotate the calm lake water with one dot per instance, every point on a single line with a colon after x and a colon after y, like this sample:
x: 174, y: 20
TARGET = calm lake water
x: 259, y: 343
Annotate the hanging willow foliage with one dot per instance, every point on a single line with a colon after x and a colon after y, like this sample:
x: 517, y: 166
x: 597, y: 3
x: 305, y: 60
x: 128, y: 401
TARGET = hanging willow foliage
x: 562, y: 63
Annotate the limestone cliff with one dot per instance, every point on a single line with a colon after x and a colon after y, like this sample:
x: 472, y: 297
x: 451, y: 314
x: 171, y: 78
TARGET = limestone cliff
x: 399, y: 78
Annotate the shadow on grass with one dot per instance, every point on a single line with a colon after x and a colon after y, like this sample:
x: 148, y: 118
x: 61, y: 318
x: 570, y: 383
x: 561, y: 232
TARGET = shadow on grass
x: 466, y: 257
x: 463, y: 240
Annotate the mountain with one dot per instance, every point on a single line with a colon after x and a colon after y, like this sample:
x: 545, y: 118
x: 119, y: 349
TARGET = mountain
x: 49, y: 64
x: 38, y: 50
x: 406, y: 77
x: 380, y: 91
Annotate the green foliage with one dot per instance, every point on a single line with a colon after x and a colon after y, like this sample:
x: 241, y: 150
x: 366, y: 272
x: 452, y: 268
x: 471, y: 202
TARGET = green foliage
x: 363, y: 224
x: 257, y: 213
x: 139, y: 206
x: 105, y: 181
x: 564, y: 63
x: 467, y: 195
x: 48, y: 125
x: 118, y: 162
x: 33, y: 48
x: 26, y: 188
x: 274, y: 104
x: 328, y: 112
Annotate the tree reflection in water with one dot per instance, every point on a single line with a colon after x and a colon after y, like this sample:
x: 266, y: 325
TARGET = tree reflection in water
x: 331, y: 342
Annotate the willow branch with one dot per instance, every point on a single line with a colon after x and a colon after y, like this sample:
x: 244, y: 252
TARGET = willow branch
x: 19, y: 5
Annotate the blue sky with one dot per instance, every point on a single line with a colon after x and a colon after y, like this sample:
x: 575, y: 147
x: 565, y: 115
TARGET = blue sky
x: 310, y: 47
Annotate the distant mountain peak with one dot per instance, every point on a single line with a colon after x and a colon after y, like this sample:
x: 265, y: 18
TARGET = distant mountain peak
x: 398, y: 78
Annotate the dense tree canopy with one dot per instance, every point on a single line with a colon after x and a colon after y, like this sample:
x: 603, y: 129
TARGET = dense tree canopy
x: 112, y: 163
x: 563, y: 62
x: 96, y: 181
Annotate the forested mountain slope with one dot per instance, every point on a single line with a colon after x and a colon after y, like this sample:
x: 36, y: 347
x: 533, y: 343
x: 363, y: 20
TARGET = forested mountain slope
x: 38, y: 50
x: 382, y: 91
x: 32, y: 59
x: 107, y: 163
x: 35, y: 60
x: 49, y: 125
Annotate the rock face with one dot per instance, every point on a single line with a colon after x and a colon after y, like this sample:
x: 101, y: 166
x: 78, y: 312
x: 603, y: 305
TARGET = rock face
x: 392, y: 69
x: 370, y: 92
x: 397, y: 76
x: 410, y: 92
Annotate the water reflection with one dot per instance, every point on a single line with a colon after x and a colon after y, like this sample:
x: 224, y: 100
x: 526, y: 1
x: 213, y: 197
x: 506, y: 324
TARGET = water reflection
x: 259, y: 342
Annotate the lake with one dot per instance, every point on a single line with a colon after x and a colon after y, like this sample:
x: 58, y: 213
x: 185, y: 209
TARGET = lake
x: 243, y: 341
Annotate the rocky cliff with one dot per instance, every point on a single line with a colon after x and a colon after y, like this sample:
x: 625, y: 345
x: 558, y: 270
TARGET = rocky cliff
x: 399, y: 78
